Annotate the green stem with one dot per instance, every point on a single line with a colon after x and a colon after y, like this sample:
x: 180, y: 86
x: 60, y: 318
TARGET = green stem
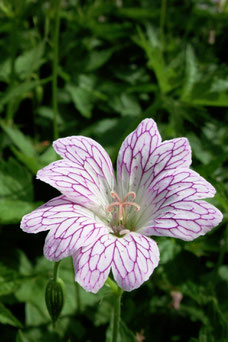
x: 55, y: 69
x: 116, y: 315
x: 56, y: 270
x: 13, y: 43
x: 162, y: 22
x: 78, y: 298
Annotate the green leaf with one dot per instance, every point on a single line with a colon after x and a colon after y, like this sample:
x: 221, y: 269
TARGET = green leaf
x: 168, y: 249
x: 21, y: 90
x: 13, y: 210
x: 15, y: 181
x: 223, y: 272
x: 19, y: 139
x: 30, y: 61
x: 97, y: 59
x: 192, y: 73
x: 6, y: 317
x: 8, y: 280
x: 125, y: 334
x: 83, y: 100
x: 126, y: 104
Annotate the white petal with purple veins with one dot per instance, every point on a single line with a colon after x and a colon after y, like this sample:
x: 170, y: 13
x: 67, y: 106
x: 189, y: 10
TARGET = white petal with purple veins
x: 92, y: 263
x: 134, y: 155
x: 174, y: 210
x: 135, y: 258
x: 71, y: 226
x: 143, y: 157
x: 85, y: 175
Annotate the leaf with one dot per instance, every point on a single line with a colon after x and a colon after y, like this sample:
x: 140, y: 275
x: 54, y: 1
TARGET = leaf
x: 13, y: 210
x: 126, y: 104
x: 25, y: 150
x: 21, y: 90
x: 192, y: 73
x: 168, y: 249
x: 8, y: 280
x: 83, y: 100
x: 19, y: 139
x: 125, y: 334
x: 152, y: 47
x: 6, y: 317
x: 30, y: 61
x: 15, y: 181
x: 223, y: 272
x: 97, y: 59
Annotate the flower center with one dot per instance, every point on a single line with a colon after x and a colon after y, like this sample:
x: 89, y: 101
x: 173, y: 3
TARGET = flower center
x: 122, y: 205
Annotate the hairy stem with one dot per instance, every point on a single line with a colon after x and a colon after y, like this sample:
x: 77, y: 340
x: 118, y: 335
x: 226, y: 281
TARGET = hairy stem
x: 55, y: 69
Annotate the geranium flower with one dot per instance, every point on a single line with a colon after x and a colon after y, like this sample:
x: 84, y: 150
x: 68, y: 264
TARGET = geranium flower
x: 104, y: 223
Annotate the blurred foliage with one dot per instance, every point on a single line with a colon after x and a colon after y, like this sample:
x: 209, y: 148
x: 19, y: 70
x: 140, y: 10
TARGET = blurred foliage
x: 119, y: 62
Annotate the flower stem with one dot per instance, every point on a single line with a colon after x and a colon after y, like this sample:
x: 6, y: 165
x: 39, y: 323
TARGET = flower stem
x: 56, y: 270
x: 116, y: 315
x: 78, y: 298
x: 13, y: 46
x: 55, y: 69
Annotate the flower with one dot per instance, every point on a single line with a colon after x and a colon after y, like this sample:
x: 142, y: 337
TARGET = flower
x: 104, y: 224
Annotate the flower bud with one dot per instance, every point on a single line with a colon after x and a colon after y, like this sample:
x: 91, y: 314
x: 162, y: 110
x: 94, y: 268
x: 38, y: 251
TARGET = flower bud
x: 54, y: 298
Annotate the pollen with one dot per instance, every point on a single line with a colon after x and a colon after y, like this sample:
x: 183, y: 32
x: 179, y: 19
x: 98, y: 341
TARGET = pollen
x: 122, y: 205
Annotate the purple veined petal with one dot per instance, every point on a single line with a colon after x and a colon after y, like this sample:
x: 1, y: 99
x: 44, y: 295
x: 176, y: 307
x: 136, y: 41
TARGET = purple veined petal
x: 85, y: 175
x: 173, y: 207
x: 132, y: 259
x: 134, y: 155
x: 135, y: 258
x: 143, y: 157
x: 92, y: 263
x: 70, y: 227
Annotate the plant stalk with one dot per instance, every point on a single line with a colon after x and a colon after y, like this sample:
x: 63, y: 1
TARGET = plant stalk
x: 56, y: 270
x: 55, y: 69
x: 116, y: 316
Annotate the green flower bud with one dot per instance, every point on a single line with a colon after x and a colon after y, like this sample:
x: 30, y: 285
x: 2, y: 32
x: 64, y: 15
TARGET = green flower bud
x: 54, y: 297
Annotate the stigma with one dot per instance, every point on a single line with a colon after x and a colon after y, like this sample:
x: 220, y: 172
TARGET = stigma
x: 122, y: 205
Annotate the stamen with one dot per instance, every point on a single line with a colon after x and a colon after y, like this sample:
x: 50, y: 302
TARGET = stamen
x: 122, y: 204
x: 128, y: 195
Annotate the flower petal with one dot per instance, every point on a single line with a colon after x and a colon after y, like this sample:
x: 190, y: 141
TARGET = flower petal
x: 71, y: 226
x: 171, y: 208
x: 92, y: 263
x: 132, y: 258
x: 134, y: 155
x: 135, y: 259
x: 143, y: 157
x: 86, y: 174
